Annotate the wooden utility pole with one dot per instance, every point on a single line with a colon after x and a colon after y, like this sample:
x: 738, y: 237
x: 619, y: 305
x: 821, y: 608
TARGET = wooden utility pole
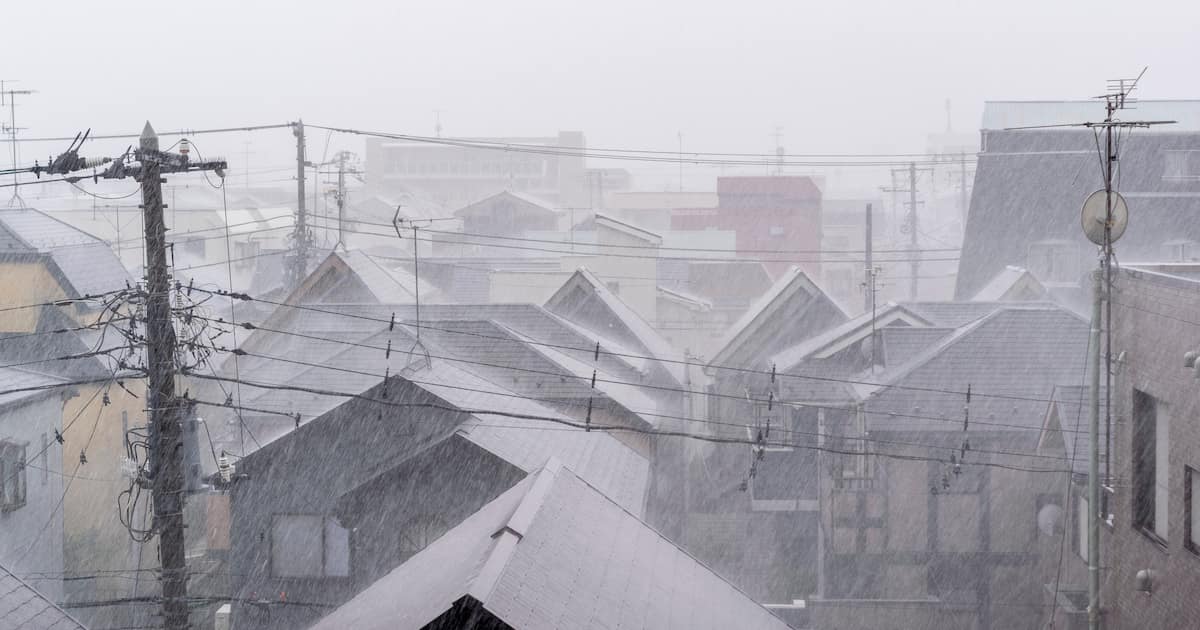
x: 166, y: 445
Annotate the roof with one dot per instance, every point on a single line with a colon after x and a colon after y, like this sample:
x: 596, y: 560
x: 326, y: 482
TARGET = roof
x: 1015, y: 355
x: 22, y: 606
x: 639, y: 331
x: 690, y: 301
x: 507, y: 432
x: 22, y: 378
x: 603, y: 220
x: 1068, y: 416
x: 1012, y: 283
x: 388, y: 285
x: 777, y: 319
x: 554, y: 552
x: 87, y: 264
x: 1009, y: 114
x: 528, y: 202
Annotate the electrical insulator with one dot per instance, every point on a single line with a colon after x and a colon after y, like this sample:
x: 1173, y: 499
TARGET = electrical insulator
x: 224, y: 468
x: 184, y: 146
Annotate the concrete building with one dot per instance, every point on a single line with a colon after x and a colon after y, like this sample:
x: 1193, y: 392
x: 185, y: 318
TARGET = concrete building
x: 1154, y: 530
x: 1031, y: 184
x: 769, y: 214
x: 453, y: 175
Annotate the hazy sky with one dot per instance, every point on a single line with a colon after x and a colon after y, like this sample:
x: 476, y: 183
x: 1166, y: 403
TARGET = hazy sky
x: 836, y: 76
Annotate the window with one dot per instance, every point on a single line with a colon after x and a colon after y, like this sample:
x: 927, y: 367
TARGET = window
x: 12, y: 475
x: 1191, y: 509
x: 1054, y: 261
x: 309, y: 545
x: 1151, y: 477
x: 1181, y: 165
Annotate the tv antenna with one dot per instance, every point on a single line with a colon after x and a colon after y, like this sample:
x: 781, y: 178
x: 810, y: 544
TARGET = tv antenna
x: 1104, y: 217
x: 8, y: 99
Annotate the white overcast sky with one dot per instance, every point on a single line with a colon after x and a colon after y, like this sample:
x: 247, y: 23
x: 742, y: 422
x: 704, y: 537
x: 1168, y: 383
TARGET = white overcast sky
x: 838, y: 76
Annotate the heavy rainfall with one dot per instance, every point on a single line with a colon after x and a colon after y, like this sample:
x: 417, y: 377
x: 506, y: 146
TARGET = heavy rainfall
x: 539, y: 315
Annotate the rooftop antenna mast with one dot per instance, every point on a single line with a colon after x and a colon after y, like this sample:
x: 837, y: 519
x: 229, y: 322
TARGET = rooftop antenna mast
x: 8, y: 99
x: 1104, y: 218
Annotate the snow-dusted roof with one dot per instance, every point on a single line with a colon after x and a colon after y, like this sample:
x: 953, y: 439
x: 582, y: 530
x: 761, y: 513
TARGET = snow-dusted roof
x: 87, y: 263
x: 554, y: 552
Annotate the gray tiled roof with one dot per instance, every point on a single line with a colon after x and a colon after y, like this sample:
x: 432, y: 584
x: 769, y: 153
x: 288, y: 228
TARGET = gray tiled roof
x: 903, y: 342
x: 1016, y: 356
x: 554, y: 552
x: 770, y: 322
x: 952, y: 314
x: 21, y: 606
x: 87, y: 263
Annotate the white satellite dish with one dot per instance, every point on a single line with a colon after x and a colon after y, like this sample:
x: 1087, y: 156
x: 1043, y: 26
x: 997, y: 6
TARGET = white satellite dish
x: 1094, y: 213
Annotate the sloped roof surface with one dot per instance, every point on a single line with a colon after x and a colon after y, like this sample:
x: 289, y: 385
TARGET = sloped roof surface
x: 1072, y: 404
x: 1003, y: 284
x: 951, y: 314
x: 21, y: 606
x: 901, y: 342
x: 642, y: 332
x: 769, y: 319
x: 554, y: 552
x: 1012, y: 359
x: 87, y: 263
x: 388, y: 285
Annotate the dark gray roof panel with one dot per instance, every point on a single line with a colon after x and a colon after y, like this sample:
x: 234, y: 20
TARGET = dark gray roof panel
x: 24, y: 607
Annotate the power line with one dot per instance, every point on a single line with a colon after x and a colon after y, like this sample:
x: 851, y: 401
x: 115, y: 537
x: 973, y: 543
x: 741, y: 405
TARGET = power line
x: 597, y: 427
x: 181, y: 132
x: 585, y: 379
x: 643, y: 155
x: 589, y: 350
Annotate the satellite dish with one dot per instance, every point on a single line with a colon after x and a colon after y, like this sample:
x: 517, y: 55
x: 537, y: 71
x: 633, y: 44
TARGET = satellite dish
x: 1093, y: 217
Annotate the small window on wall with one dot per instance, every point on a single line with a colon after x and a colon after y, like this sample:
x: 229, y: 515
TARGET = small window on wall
x: 12, y: 476
x: 309, y: 546
x: 1191, y: 509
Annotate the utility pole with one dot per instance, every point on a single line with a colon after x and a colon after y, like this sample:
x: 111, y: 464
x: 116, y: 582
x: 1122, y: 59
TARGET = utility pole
x: 166, y: 452
x: 913, y: 242
x: 869, y: 298
x: 965, y: 199
x: 339, y: 194
x: 12, y: 130
x: 297, y: 267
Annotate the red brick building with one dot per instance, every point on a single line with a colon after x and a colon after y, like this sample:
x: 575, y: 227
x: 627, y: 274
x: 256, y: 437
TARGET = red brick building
x: 768, y: 214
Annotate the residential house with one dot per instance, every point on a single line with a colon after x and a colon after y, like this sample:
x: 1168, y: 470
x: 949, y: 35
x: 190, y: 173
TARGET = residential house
x: 927, y: 498
x: 31, y: 478
x: 45, y: 260
x: 1062, y: 540
x: 384, y: 475
x: 1031, y: 184
x: 29, y: 607
x: 355, y: 277
x: 552, y: 552
x: 1150, y: 548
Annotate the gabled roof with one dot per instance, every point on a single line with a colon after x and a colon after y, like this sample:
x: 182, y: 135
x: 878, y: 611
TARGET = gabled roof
x: 22, y: 606
x: 1016, y: 356
x: 628, y: 326
x: 357, y: 270
x: 1012, y: 284
x: 781, y: 317
x: 526, y: 202
x: 514, y: 428
x: 844, y: 334
x: 629, y: 229
x: 553, y: 552
x: 86, y: 263
x: 1066, y: 426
